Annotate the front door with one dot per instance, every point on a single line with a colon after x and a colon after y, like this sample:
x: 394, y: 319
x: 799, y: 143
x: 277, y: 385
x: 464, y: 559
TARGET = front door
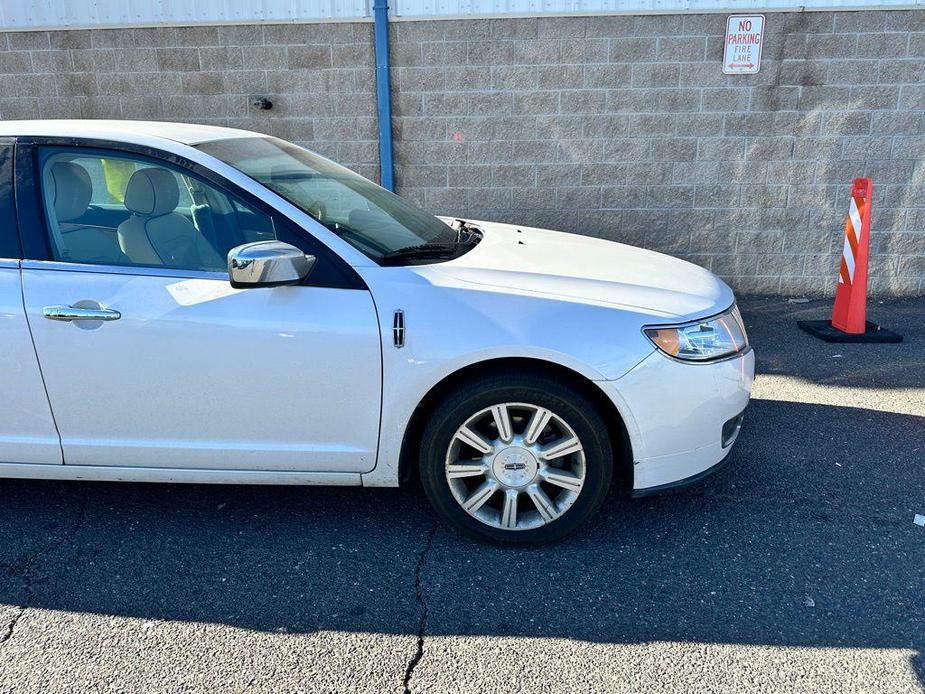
x: 168, y: 365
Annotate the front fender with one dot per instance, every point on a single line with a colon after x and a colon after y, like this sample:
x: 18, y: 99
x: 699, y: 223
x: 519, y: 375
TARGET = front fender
x: 448, y: 328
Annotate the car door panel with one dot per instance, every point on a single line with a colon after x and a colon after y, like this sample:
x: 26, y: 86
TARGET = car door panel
x: 27, y: 429
x: 196, y: 374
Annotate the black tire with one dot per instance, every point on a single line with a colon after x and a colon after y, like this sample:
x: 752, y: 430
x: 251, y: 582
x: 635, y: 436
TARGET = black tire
x: 568, y: 402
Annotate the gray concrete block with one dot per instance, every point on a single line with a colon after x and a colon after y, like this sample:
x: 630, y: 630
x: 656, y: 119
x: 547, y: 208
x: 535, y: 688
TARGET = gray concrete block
x: 466, y: 30
x: 562, y: 127
x: 582, y: 101
x: 724, y: 100
x: 594, y: 175
x: 847, y: 123
x: 310, y: 57
x: 535, y: 103
x: 875, y: 97
x: 683, y: 49
x: 674, y: 149
x: 698, y: 124
x: 605, y: 126
x: 578, y: 198
x: 221, y: 58
x: 901, y: 71
x: 461, y: 78
x: 66, y: 40
x: 560, y: 76
x: 656, y: 75
x: 705, y: 74
x: 490, y: 103
x: 829, y: 46
x: 880, y: 46
x: 17, y: 62
x: 912, y: 97
x: 904, y: 20
x: 202, y: 83
x: 585, y: 51
x: 627, y: 149
x: 769, y: 148
x: 264, y: 58
x: 513, y: 28
x: 615, y: 26
x: 488, y: 52
x: 508, y: 77
x: 195, y: 36
x: 611, y: 76
x: 659, y: 25
x: 916, y: 45
x: 902, y: 123
x: 867, y: 147
x: 632, y: 50
x: 178, y: 59
x: 562, y: 27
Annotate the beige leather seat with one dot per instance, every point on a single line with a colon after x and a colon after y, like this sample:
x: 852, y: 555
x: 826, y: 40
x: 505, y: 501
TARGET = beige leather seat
x: 70, y: 189
x: 157, y: 235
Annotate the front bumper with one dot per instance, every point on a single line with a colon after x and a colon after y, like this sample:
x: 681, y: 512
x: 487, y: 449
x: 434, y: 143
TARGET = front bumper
x: 686, y: 482
x: 675, y: 415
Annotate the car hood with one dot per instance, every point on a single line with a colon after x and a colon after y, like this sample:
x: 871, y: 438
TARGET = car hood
x: 581, y: 268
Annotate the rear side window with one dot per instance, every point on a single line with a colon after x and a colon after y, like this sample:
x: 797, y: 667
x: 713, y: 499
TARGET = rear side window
x: 9, y: 233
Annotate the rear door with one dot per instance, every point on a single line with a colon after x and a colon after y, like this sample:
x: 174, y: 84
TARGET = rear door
x: 27, y: 429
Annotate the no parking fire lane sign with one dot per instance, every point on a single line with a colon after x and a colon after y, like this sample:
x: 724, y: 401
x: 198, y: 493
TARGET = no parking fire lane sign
x: 744, y: 38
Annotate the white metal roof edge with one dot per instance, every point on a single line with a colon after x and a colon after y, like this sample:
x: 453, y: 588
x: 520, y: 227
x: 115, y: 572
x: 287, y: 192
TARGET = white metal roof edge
x: 398, y: 13
x: 732, y: 9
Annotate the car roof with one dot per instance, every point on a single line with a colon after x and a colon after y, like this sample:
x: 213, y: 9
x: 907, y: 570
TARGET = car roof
x: 122, y: 130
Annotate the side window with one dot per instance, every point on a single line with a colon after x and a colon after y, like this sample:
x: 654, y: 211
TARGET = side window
x: 107, y: 208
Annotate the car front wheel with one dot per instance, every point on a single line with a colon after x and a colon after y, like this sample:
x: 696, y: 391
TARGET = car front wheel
x: 516, y: 459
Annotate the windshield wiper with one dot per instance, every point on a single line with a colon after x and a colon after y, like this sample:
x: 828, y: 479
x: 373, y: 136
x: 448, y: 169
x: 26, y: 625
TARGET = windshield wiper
x: 430, y: 250
x: 421, y: 250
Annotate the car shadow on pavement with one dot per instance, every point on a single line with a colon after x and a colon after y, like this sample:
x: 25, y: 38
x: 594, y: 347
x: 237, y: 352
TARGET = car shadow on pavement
x: 805, y: 539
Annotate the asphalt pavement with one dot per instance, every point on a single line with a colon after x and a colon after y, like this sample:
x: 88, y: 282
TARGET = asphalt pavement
x: 798, y: 567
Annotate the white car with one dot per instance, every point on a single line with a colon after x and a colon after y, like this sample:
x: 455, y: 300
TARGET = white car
x: 183, y: 303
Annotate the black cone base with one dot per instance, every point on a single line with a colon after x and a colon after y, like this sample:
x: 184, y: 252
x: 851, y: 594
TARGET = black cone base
x: 824, y: 331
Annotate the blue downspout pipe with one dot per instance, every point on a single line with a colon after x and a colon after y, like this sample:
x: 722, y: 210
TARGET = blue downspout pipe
x: 384, y: 94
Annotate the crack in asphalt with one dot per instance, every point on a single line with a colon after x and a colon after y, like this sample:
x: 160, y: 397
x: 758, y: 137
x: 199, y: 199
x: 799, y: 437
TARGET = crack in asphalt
x: 425, y: 610
x: 24, y: 569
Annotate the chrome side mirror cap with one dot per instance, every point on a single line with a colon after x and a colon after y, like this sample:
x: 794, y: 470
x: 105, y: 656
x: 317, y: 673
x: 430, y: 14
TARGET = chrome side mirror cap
x: 267, y: 264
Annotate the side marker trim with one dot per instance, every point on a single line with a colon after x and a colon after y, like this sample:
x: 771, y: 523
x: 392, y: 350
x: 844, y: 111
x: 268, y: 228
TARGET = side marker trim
x: 398, y: 329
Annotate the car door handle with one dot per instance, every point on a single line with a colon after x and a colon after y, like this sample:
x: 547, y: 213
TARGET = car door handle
x: 72, y: 313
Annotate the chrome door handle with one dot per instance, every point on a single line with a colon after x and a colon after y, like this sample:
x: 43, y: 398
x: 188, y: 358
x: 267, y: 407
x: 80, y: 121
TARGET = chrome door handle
x: 71, y: 313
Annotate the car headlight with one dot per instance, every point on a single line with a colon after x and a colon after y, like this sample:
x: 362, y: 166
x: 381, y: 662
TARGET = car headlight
x: 702, y: 340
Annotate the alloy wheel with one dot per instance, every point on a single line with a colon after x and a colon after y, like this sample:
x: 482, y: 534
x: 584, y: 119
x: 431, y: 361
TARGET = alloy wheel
x: 515, y: 466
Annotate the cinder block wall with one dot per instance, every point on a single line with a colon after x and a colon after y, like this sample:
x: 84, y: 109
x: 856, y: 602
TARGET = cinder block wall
x: 620, y: 127
x: 320, y: 77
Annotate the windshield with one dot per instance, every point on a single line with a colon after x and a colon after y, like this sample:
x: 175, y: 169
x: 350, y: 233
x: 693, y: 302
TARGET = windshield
x: 375, y: 221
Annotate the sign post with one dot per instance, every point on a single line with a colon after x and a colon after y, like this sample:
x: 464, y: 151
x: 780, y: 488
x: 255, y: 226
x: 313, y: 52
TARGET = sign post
x: 744, y: 39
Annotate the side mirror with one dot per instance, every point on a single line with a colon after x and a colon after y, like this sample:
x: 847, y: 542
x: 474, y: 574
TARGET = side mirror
x: 267, y: 264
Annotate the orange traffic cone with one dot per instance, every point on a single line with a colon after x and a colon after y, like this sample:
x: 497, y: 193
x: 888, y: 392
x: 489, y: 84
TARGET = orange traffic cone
x: 849, y: 316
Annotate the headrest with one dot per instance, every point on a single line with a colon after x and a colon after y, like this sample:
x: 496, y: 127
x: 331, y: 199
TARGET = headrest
x: 152, y: 192
x: 71, y: 190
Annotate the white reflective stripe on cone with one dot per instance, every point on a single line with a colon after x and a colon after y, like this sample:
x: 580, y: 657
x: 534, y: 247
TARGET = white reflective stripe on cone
x: 848, y: 257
